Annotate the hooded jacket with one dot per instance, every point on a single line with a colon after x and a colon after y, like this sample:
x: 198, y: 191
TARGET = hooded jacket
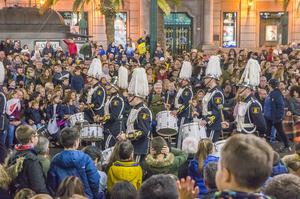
x: 125, y: 171
x: 170, y: 164
x: 31, y: 174
x: 74, y: 163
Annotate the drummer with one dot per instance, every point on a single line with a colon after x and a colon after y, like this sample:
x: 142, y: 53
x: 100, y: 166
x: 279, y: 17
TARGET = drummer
x: 184, y: 95
x: 96, y: 95
x: 183, y: 99
x: 115, y: 110
x: 140, y: 117
x: 212, y: 103
x: 69, y: 107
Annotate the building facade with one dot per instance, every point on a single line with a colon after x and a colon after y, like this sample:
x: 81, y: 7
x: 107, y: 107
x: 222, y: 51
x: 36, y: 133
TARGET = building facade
x: 254, y: 23
x: 198, y: 24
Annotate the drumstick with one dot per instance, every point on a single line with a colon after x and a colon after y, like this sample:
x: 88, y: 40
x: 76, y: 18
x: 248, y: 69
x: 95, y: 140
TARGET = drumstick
x: 222, y: 117
x: 221, y: 111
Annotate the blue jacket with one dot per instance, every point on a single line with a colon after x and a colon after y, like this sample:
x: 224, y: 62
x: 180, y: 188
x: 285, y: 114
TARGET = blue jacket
x: 69, y: 109
x: 77, y: 83
x: 278, y: 169
x: 274, y: 106
x: 198, y: 175
x: 75, y: 163
x: 34, y: 115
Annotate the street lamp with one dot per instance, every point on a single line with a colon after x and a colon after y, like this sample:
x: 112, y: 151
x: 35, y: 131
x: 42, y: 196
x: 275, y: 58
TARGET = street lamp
x: 153, y: 27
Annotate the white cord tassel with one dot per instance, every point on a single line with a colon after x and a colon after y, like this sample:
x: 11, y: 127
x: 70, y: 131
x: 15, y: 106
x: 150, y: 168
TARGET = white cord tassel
x: 123, y: 77
x: 186, y: 70
x: 2, y: 73
x: 95, y: 69
x: 251, y: 74
x: 214, y: 67
x: 139, y: 83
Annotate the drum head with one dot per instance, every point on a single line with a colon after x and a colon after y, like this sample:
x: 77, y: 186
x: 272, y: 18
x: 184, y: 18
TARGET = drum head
x: 167, y: 132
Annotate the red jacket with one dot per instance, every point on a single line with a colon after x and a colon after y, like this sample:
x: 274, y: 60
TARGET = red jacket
x: 72, y: 48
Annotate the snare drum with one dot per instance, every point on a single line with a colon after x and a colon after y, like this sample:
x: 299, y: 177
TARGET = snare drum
x: 92, y: 132
x: 106, y: 155
x: 166, y: 124
x: 76, y: 118
x: 218, y: 146
x: 193, y: 130
x: 43, y: 131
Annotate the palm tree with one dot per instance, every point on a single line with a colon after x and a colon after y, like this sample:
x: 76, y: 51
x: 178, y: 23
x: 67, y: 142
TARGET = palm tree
x: 109, y: 8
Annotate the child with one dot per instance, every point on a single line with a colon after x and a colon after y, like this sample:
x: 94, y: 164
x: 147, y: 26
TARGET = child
x: 202, y: 158
x: 125, y: 169
x: 95, y: 154
x: 54, y: 111
x: 245, y: 165
x: 77, y: 81
x: 69, y: 108
x: 34, y: 116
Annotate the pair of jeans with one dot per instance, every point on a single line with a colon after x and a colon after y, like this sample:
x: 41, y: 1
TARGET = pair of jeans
x: 11, y: 135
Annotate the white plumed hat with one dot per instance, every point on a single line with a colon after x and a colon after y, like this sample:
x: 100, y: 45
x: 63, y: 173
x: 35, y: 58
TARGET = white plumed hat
x: 138, y: 85
x: 213, y: 68
x: 186, y: 70
x: 95, y: 69
x: 2, y: 73
x: 251, y: 75
x: 123, y: 77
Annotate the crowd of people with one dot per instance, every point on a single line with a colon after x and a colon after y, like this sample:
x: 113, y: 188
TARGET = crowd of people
x: 118, y: 123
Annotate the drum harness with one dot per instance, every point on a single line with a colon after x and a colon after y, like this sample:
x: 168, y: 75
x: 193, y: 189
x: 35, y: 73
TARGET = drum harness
x: 240, y: 120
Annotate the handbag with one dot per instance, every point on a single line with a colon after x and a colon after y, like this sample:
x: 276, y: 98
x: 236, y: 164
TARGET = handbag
x: 52, y: 126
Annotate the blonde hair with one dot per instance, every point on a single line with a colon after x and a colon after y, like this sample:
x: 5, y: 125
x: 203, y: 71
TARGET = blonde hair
x: 205, y: 147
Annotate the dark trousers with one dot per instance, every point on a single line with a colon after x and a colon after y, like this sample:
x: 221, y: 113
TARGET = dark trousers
x: 279, y: 128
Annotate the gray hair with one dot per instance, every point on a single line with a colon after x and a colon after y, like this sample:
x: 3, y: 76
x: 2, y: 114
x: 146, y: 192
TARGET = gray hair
x: 42, y: 146
x: 210, y: 174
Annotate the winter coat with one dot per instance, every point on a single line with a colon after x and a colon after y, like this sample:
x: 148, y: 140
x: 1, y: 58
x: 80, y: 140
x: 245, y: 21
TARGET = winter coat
x: 47, y: 50
x: 74, y: 163
x: 125, y: 171
x: 45, y: 162
x: 198, y: 175
x: 34, y: 115
x: 294, y: 106
x: 31, y: 176
x: 274, y: 106
x: 170, y: 164
x: 77, y: 83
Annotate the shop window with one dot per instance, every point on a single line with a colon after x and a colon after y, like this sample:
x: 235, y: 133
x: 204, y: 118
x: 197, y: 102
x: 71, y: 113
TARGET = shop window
x: 77, y: 21
x: 273, y: 28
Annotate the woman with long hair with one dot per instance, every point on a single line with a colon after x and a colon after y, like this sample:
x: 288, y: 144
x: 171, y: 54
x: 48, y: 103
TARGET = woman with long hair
x: 203, y: 156
x: 70, y: 186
